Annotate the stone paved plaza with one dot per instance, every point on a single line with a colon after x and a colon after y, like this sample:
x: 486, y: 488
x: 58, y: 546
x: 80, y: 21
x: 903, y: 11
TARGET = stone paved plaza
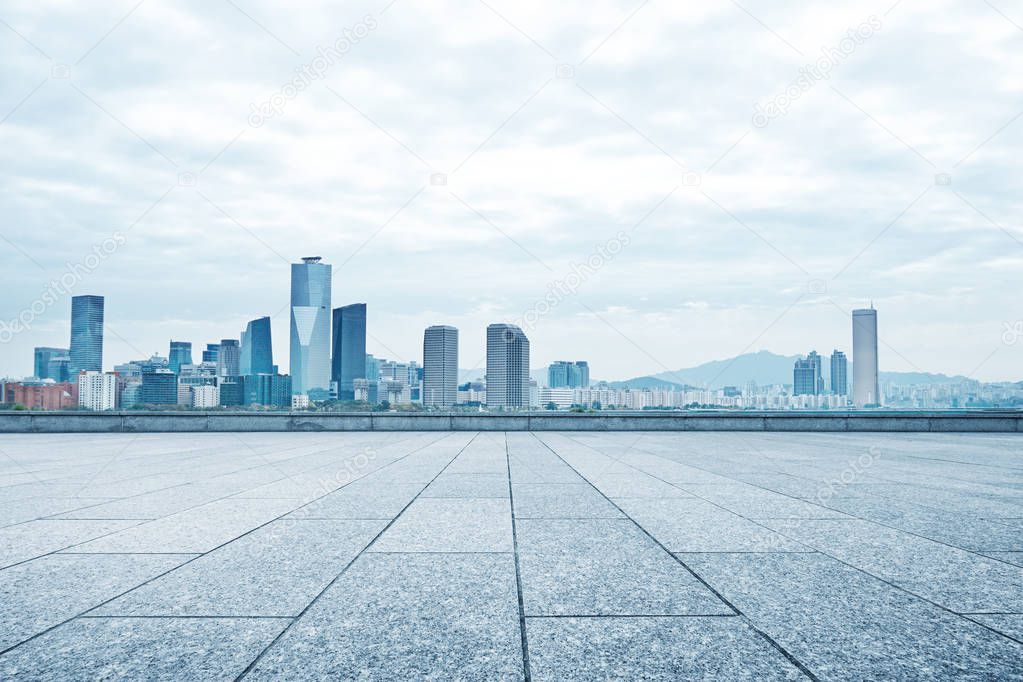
x: 492, y: 556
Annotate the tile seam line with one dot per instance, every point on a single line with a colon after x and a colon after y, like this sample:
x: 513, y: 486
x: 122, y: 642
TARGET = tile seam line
x: 823, y: 553
x: 195, y: 558
x: 749, y: 623
x: 255, y: 661
x: 527, y: 671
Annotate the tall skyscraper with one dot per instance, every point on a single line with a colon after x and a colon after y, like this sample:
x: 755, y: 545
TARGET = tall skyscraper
x: 211, y: 352
x: 839, y: 373
x: 806, y: 375
x: 310, y: 325
x: 349, y: 356
x: 44, y: 367
x: 257, y: 355
x: 440, y: 366
x: 229, y: 358
x: 507, y: 366
x: 86, y: 351
x: 865, y: 388
x: 180, y: 354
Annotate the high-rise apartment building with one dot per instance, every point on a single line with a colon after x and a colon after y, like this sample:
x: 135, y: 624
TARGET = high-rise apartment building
x: 440, y: 366
x: 565, y: 374
x: 257, y: 355
x: 229, y: 358
x: 97, y: 390
x: 865, y: 386
x: 839, y: 373
x: 86, y: 352
x: 310, y: 325
x: 806, y: 375
x: 507, y: 367
x: 349, y: 349
x: 180, y: 354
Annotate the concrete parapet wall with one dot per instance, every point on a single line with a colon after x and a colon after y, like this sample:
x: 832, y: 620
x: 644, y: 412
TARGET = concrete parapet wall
x: 989, y: 421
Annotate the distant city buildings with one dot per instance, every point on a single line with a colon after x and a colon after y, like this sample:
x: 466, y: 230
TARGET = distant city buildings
x: 86, y: 350
x: 97, y: 390
x: 507, y: 367
x: 865, y: 386
x: 565, y: 374
x: 229, y: 358
x: 440, y: 366
x: 310, y: 325
x: 41, y: 395
x: 211, y: 353
x: 159, y: 387
x: 52, y: 363
x: 349, y: 349
x: 180, y: 354
x: 256, y: 353
x: 839, y: 373
x: 806, y: 375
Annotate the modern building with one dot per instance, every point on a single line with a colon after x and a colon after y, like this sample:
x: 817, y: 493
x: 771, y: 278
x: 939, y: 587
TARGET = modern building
x: 41, y: 395
x: 507, y: 367
x: 257, y: 355
x: 269, y: 390
x: 865, y: 387
x: 48, y: 362
x: 372, y: 367
x: 97, y: 390
x: 839, y: 373
x: 180, y: 354
x: 349, y: 349
x: 211, y: 352
x: 86, y: 351
x: 440, y: 366
x: 229, y: 358
x: 299, y: 401
x: 565, y: 374
x: 559, y: 398
x: 806, y: 375
x: 159, y: 387
x: 232, y: 391
x: 129, y: 392
x: 310, y: 325
x: 205, y: 396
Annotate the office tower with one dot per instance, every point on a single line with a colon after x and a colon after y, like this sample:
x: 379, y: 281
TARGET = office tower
x: 256, y: 349
x: 557, y: 374
x: 51, y: 363
x: 580, y: 374
x: 159, y: 387
x: 349, y: 349
x: 232, y: 391
x: 211, y: 353
x: 310, y: 325
x: 440, y: 366
x: 865, y: 384
x: 839, y: 373
x: 507, y: 367
x: 565, y: 374
x: 180, y: 354
x: 86, y: 350
x: 806, y: 375
x: 270, y: 390
x: 229, y: 358
x: 97, y: 391
x: 372, y: 368
x: 130, y: 392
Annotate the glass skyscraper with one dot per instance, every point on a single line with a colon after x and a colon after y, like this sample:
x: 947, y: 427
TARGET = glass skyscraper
x: 229, y: 358
x: 48, y: 363
x: 86, y: 351
x: 349, y: 349
x: 565, y: 374
x: 839, y: 373
x: 865, y: 387
x: 507, y: 366
x: 211, y: 352
x: 180, y: 354
x: 257, y: 355
x: 310, y: 326
x: 806, y: 376
x: 440, y: 366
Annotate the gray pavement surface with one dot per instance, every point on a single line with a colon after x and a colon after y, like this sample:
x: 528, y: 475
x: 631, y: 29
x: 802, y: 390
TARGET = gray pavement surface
x: 510, y: 556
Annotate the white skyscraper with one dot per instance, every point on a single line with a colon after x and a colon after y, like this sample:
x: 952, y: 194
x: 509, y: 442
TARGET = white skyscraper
x: 310, y: 325
x: 97, y: 391
x: 865, y: 389
x: 440, y: 366
x: 507, y: 366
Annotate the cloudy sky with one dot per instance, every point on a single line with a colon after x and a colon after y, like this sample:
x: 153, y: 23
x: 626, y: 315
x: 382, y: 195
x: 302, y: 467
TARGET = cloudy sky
x: 643, y: 184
